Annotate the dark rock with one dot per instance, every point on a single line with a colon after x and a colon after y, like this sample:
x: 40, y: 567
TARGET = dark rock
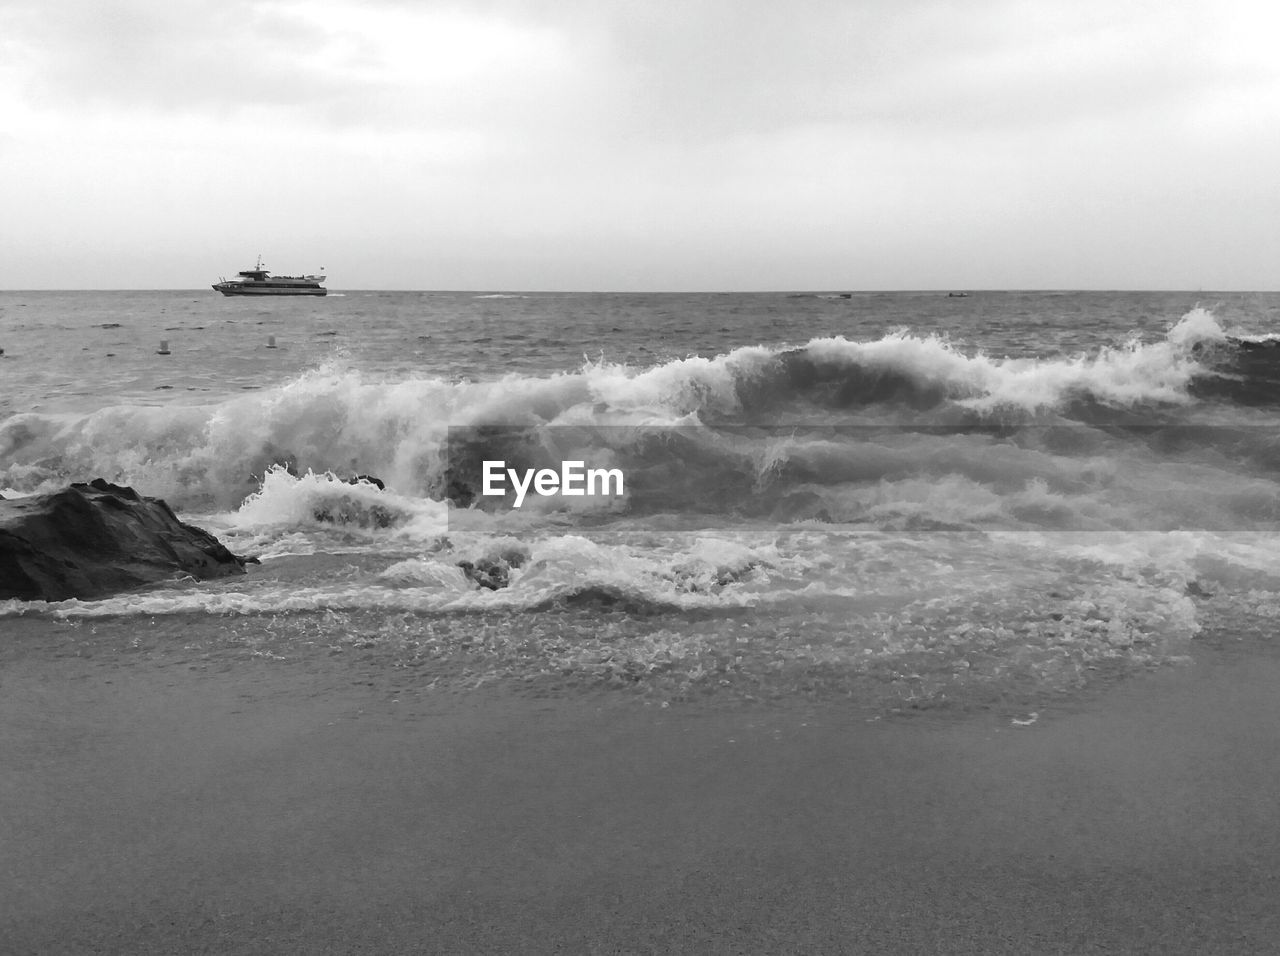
x: 494, y: 572
x: 347, y: 512
x: 702, y: 578
x: 339, y: 509
x: 488, y: 574
x: 1195, y: 589
x: 95, y: 539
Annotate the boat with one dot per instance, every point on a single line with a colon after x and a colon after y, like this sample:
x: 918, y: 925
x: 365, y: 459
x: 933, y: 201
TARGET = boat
x: 258, y: 281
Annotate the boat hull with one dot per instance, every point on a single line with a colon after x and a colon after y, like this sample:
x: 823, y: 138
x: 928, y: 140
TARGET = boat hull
x: 237, y: 288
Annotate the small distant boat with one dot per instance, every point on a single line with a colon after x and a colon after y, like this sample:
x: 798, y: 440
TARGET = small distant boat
x: 258, y: 281
x: 957, y: 295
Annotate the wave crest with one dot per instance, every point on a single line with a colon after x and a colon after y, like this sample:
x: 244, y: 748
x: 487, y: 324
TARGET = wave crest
x: 342, y: 423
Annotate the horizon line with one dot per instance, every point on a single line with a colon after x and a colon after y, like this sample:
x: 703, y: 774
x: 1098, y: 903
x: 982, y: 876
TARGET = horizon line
x: 835, y: 290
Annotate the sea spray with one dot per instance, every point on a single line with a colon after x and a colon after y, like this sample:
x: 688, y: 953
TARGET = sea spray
x: 347, y: 422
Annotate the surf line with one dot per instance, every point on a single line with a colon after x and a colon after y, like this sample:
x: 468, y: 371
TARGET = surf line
x: 573, y: 479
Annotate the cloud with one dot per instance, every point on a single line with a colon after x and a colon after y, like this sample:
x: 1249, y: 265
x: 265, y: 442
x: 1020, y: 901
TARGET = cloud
x: 628, y: 140
x: 613, y: 71
x: 323, y: 63
x: 179, y: 55
x: 716, y: 67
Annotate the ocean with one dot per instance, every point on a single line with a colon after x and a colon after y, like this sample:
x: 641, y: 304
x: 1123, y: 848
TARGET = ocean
x: 906, y: 501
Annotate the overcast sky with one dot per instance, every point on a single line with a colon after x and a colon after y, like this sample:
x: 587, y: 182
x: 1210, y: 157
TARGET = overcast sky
x: 642, y: 144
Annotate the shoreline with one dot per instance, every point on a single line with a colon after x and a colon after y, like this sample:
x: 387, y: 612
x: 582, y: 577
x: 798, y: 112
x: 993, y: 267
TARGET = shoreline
x: 273, y: 808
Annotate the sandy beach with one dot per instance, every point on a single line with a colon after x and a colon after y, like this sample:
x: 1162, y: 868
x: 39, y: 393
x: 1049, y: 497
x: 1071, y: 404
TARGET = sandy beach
x: 174, y: 806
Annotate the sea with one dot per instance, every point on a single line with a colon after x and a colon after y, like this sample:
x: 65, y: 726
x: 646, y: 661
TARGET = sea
x: 905, y: 502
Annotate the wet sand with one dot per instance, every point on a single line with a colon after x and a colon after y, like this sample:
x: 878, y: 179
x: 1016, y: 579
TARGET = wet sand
x: 266, y: 807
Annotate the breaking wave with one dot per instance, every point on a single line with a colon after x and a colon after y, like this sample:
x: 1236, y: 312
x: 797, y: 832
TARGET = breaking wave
x: 904, y: 431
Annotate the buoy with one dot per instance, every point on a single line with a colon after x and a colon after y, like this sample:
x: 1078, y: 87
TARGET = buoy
x: 164, y: 347
x: 271, y: 341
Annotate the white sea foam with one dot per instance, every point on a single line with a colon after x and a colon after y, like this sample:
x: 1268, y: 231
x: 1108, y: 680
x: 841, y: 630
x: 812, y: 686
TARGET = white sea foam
x: 340, y: 421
